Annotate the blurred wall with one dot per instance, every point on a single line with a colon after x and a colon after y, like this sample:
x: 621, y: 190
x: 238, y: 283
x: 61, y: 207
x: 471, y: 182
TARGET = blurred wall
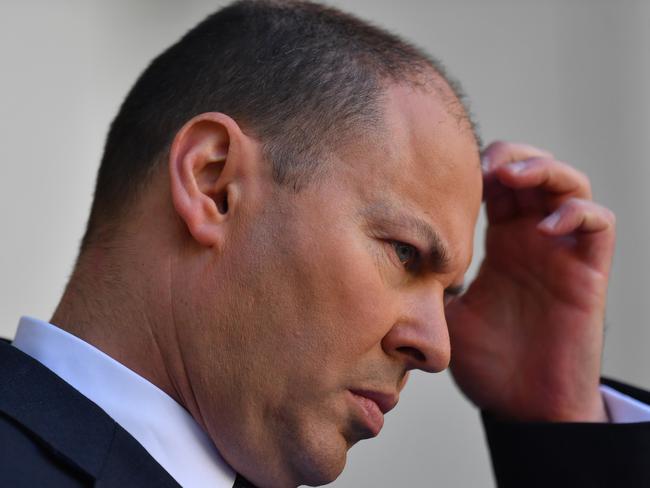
x: 569, y: 76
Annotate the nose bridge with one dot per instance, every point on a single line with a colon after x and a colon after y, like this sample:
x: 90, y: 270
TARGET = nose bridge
x: 420, y: 337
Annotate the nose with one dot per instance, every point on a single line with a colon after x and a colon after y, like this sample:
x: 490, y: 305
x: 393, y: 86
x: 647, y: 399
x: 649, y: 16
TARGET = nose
x: 419, y: 337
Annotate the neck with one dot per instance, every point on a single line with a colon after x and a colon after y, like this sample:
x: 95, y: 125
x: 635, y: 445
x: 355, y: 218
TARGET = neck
x: 114, y: 302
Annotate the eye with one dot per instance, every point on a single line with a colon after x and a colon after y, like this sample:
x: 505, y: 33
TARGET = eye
x: 406, y: 253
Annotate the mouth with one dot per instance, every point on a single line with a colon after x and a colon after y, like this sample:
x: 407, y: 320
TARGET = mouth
x: 372, y: 405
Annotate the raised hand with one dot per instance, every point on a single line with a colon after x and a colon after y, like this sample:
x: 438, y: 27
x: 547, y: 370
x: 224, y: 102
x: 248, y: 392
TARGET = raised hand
x: 527, y: 335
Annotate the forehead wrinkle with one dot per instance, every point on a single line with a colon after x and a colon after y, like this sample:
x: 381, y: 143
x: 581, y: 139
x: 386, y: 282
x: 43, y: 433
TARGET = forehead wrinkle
x: 389, y: 214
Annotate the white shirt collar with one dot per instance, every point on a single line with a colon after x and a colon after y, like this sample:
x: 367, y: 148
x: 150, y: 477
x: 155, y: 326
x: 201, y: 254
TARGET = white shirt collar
x: 163, y: 427
x: 622, y: 408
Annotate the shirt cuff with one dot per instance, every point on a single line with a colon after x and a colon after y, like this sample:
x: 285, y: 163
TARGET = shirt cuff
x: 622, y: 408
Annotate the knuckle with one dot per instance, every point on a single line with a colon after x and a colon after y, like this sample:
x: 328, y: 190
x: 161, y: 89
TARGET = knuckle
x: 579, y: 177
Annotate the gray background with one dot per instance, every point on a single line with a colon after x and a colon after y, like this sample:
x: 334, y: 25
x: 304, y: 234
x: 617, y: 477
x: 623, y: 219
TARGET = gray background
x: 570, y: 76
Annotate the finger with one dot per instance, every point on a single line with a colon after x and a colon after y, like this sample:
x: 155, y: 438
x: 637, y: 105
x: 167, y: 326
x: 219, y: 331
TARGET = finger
x: 547, y: 174
x: 500, y: 202
x: 577, y: 215
x: 499, y: 153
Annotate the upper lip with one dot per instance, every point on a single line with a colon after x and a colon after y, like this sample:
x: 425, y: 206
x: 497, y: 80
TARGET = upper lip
x: 385, y: 401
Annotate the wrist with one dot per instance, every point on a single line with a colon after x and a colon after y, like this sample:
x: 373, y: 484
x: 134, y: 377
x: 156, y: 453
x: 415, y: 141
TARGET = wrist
x: 594, y: 411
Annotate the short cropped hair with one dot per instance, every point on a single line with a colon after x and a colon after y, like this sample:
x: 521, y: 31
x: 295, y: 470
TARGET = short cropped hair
x: 295, y: 74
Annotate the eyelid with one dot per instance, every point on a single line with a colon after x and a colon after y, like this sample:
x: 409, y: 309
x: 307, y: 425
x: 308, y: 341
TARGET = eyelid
x: 405, y: 266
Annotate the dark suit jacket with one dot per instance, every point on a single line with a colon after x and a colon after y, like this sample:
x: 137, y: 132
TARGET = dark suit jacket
x: 52, y: 436
x: 571, y: 454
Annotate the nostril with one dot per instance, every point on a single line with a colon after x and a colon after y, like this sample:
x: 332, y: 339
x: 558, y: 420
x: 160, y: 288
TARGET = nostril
x: 413, y: 353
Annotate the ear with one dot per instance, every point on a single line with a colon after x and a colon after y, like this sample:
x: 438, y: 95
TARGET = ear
x: 208, y: 159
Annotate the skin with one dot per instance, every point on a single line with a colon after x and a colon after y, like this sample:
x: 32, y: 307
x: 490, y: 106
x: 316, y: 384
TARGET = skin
x: 528, y: 334
x: 258, y: 309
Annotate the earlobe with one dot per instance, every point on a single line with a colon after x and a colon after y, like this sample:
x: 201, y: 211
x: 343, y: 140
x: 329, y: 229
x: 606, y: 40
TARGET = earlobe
x: 203, y: 175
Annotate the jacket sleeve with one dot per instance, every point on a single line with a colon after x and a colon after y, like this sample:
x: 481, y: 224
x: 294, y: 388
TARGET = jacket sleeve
x: 576, y: 455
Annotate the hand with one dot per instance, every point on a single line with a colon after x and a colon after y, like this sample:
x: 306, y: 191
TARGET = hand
x: 527, y: 335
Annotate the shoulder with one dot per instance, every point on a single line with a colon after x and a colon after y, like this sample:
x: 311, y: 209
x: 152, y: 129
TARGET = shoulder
x: 26, y: 461
x: 50, y: 435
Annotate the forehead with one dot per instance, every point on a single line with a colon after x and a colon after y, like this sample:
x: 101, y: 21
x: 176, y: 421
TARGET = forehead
x: 424, y: 162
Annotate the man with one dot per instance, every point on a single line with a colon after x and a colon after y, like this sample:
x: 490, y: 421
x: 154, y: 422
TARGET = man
x: 282, y: 220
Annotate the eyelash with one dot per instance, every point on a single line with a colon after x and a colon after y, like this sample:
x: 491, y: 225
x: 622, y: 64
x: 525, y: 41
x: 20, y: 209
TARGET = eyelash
x: 414, y: 260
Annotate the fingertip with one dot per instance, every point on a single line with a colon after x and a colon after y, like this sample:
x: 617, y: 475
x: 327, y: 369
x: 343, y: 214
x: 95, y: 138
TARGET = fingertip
x: 550, y: 224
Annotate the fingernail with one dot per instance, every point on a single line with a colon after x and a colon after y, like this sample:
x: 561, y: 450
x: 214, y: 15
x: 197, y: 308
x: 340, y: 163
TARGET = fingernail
x: 485, y: 164
x: 551, y: 221
x: 518, y: 167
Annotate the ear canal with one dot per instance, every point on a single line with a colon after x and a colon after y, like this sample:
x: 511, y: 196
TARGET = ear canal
x: 222, y: 204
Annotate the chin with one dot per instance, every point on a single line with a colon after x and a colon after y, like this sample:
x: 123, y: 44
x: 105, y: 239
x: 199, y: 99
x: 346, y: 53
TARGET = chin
x: 321, y: 473
x: 320, y: 461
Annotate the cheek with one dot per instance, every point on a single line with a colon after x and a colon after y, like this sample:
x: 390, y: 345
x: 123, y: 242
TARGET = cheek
x: 352, y: 297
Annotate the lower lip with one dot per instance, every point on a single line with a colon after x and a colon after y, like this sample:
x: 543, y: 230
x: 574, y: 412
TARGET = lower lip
x: 372, y: 415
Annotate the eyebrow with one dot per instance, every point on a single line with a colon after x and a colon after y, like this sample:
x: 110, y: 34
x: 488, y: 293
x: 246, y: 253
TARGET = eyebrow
x: 388, y: 216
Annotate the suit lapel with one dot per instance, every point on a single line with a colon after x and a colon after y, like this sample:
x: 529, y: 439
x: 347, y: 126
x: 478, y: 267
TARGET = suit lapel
x: 129, y: 465
x: 241, y: 482
x: 71, y: 426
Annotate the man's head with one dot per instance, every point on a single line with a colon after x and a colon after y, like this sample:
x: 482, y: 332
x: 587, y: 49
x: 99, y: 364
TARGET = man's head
x: 304, y: 189
x: 298, y: 76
